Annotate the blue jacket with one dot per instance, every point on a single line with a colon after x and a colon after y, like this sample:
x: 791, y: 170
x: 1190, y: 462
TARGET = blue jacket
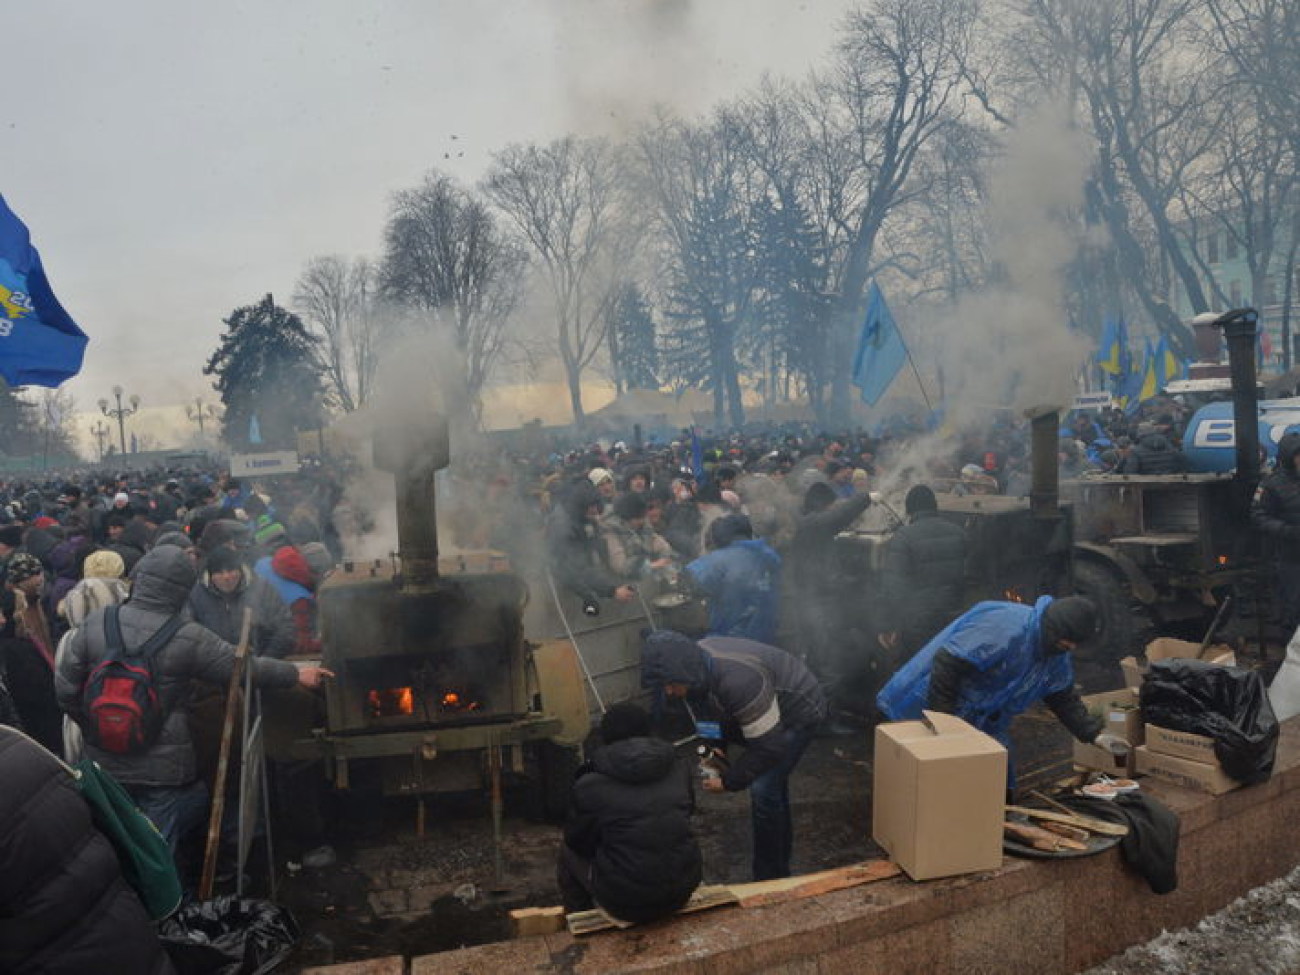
x: 743, y: 585
x: 1003, y: 641
x: 289, y: 590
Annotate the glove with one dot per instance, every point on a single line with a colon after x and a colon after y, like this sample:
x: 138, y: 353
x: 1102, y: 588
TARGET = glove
x: 1114, y: 744
x: 1071, y: 712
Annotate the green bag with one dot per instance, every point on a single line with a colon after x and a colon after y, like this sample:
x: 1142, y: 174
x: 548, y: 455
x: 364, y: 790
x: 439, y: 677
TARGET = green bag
x: 145, y: 858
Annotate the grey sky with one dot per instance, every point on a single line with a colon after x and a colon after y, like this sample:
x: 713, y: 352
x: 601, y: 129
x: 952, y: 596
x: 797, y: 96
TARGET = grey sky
x: 174, y: 160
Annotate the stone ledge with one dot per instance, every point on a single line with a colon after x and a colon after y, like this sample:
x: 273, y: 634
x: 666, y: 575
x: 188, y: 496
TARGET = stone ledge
x: 1072, y: 914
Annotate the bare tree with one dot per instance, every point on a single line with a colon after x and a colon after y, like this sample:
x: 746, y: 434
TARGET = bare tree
x: 1147, y: 103
x: 447, y: 259
x: 562, y: 198
x: 901, y: 66
x: 336, y: 297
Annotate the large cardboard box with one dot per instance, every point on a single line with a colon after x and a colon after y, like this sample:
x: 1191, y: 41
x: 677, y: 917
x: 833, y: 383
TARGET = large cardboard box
x: 1199, y: 776
x: 1166, y: 647
x: 938, y: 800
x: 1181, y: 744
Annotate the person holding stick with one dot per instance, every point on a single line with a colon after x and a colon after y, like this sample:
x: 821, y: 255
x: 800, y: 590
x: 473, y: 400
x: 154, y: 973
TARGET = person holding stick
x: 159, y: 771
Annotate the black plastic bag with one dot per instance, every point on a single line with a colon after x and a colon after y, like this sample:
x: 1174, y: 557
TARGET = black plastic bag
x: 229, y: 936
x: 1227, y: 704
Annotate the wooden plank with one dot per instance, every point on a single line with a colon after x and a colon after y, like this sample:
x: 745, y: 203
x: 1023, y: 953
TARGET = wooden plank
x: 528, y: 921
x: 812, y: 885
x: 704, y: 899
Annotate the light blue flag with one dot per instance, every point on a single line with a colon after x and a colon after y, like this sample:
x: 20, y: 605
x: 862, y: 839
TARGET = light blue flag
x: 881, y: 352
x: 254, y: 430
x: 40, y: 344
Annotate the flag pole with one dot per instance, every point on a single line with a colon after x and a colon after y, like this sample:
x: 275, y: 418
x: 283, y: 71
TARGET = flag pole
x: 915, y: 372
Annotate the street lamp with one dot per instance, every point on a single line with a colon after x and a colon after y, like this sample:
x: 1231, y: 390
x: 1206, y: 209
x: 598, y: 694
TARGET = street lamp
x: 199, y: 412
x: 121, y: 413
x: 100, y: 431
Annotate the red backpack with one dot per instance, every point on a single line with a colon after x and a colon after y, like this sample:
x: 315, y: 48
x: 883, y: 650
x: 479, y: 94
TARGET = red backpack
x: 123, y: 713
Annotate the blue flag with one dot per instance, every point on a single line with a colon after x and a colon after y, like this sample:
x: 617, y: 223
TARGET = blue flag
x: 1110, y: 354
x: 881, y: 352
x: 40, y: 344
x: 697, y: 455
x: 254, y: 430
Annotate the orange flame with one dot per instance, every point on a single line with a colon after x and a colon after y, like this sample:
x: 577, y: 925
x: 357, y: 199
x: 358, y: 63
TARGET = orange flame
x: 390, y: 703
x: 1012, y: 595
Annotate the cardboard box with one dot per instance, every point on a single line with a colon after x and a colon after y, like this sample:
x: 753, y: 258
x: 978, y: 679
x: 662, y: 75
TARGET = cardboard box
x: 939, y: 794
x: 1166, y: 647
x: 1119, y: 709
x: 1181, y: 744
x: 1183, y: 772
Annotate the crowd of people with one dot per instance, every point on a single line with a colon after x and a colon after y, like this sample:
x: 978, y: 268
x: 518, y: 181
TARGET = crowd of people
x: 98, y: 568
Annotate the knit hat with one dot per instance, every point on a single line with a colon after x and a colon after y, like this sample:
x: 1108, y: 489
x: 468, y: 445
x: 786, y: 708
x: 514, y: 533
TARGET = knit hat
x: 121, y: 498
x: 599, y: 475
x: 103, y: 564
x: 11, y: 535
x: 624, y: 720
x: 269, y: 532
x: 920, y: 498
x: 318, y: 558
x: 1073, y: 618
x: 177, y: 538
x: 22, y: 566
x: 223, y: 560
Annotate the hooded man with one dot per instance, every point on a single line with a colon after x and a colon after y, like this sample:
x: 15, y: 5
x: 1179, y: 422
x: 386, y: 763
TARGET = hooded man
x: 925, y: 570
x: 163, y: 778
x: 628, y: 844
x: 1275, y: 514
x: 763, y: 698
x: 995, y: 661
x: 291, y: 576
x: 574, y: 549
x: 741, y: 579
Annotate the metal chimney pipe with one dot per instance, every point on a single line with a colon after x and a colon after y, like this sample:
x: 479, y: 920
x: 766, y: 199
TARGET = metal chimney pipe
x: 414, y: 457
x: 1045, y: 486
x: 1240, y: 328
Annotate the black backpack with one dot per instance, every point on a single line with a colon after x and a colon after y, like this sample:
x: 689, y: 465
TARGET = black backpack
x: 123, y: 713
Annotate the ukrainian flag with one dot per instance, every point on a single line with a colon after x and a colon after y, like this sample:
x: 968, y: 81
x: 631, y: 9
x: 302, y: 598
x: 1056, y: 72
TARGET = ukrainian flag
x: 1150, y: 376
x: 1110, y: 355
x: 1168, y: 365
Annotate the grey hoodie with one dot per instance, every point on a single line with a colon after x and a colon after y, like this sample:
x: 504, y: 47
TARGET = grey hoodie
x: 161, y: 584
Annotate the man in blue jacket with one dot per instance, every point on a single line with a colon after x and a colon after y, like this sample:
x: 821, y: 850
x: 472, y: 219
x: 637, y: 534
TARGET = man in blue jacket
x: 995, y: 661
x: 741, y: 578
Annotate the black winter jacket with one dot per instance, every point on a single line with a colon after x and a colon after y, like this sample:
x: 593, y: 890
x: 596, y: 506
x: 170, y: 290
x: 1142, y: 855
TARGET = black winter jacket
x: 64, y: 907
x: 925, y: 569
x: 273, y: 630
x: 160, y: 586
x: 756, y: 691
x: 631, y: 819
x: 1154, y: 454
x: 575, y: 553
x: 811, y: 564
x: 1276, y: 510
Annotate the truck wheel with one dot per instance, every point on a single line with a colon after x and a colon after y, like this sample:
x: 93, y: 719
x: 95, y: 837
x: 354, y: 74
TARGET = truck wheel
x: 548, y: 784
x: 1124, y: 627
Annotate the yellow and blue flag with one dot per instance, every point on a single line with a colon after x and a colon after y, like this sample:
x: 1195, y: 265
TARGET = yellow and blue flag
x: 40, y: 344
x: 1150, y: 377
x: 881, y: 352
x: 1113, y: 351
x: 1168, y: 365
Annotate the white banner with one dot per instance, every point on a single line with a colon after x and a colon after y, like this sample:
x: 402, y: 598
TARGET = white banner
x: 275, y: 462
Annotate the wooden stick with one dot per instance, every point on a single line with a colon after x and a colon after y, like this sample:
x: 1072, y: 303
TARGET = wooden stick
x: 1074, y: 819
x: 223, y: 762
x: 1058, y: 806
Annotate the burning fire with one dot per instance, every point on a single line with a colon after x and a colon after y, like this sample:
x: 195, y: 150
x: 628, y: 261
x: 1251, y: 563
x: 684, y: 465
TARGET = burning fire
x: 1223, y: 560
x: 1012, y: 595
x: 451, y: 701
x: 394, y: 702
